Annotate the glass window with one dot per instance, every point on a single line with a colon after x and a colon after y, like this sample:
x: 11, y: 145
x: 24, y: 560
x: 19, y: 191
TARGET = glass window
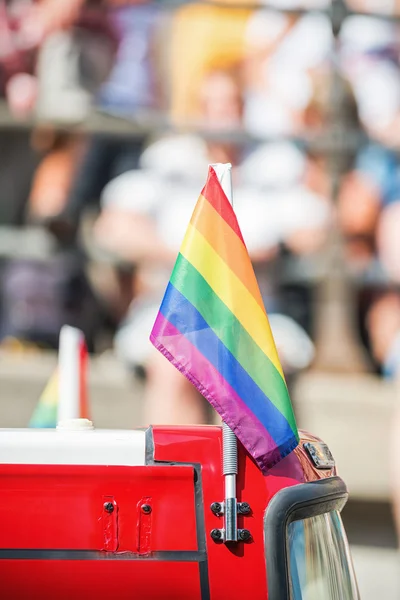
x: 319, y: 559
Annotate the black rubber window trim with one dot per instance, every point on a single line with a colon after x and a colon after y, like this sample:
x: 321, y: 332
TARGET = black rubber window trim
x: 293, y: 504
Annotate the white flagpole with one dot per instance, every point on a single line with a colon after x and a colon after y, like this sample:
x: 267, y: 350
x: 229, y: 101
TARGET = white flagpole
x: 229, y: 440
x: 69, y: 369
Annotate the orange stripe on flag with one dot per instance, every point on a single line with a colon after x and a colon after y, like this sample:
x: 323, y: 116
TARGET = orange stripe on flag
x: 226, y: 244
x: 216, y: 196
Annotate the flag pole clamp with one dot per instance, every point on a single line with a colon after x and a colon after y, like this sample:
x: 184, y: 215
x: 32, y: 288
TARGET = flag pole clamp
x: 230, y: 508
x: 230, y: 470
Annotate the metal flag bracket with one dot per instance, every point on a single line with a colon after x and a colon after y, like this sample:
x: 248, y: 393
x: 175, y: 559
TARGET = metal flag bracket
x: 218, y: 508
x: 230, y: 507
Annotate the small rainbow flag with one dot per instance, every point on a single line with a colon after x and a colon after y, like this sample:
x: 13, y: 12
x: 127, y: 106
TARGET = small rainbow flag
x: 45, y: 413
x: 67, y: 385
x: 213, y: 327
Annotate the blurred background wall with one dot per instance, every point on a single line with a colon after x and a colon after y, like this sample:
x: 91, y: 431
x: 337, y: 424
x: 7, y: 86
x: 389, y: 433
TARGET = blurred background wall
x: 110, y: 112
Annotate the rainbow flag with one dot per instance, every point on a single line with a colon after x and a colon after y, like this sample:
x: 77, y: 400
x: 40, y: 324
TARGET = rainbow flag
x: 68, y: 381
x: 213, y: 327
x: 45, y: 413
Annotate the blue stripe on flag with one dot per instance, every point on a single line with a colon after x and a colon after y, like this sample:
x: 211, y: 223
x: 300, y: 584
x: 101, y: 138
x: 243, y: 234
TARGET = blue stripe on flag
x: 186, y: 318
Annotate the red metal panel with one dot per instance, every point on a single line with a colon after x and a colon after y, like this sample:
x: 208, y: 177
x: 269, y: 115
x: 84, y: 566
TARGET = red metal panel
x: 99, y: 580
x: 236, y: 571
x: 201, y: 444
x: 62, y: 507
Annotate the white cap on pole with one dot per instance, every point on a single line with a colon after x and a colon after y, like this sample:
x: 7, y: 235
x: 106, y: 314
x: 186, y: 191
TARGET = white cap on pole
x: 224, y: 174
x: 71, y: 370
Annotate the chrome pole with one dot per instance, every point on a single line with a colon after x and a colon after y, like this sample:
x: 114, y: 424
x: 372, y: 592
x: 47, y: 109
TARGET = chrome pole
x: 230, y: 469
x: 229, y: 440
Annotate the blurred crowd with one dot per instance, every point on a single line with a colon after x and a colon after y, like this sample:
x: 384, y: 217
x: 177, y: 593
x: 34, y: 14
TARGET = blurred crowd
x: 214, y: 83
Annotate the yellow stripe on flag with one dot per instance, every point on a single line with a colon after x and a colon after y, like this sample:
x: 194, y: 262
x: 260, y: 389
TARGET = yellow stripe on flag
x: 226, y: 244
x: 231, y: 290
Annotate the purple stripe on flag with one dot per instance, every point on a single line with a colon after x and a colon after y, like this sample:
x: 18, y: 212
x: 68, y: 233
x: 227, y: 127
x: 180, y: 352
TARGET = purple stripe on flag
x: 196, y: 367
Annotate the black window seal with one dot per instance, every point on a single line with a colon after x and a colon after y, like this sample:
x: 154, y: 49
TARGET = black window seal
x: 293, y: 504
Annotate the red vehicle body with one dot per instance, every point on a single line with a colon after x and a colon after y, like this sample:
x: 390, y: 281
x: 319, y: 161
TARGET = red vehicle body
x: 143, y: 531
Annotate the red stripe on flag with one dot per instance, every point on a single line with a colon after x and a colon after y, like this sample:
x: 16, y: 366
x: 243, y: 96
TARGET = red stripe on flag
x: 83, y: 394
x: 216, y: 196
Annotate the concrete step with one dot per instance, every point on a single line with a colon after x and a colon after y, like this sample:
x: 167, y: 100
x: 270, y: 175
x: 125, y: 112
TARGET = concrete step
x: 377, y: 571
x: 353, y: 415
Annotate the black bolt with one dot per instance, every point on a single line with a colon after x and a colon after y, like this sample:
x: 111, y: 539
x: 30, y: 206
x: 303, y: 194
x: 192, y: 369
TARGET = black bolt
x: 244, y: 508
x: 244, y: 535
x: 216, y: 535
x: 146, y: 508
x: 108, y: 507
x: 216, y: 508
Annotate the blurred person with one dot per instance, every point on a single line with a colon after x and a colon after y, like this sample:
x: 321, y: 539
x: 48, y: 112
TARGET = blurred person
x: 26, y: 27
x: 19, y: 161
x: 52, y: 57
x: 76, y: 47
x: 368, y: 198
x: 54, y: 175
x: 379, y: 266
x: 394, y: 462
x: 367, y: 213
x: 126, y: 86
x: 207, y: 36
x: 387, y: 237
x: 383, y: 317
x: 384, y: 330
x: 56, y: 54
x: 282, y: 55
x: 43, y: 277
x: 74, y: 36
x: 103, y: 51
x: 145, y: 214
x: 369, y: 174
x: 38, y: 297
x: 387, y: 7
x: 133, y: 81
x: 203, y: 37
x: 369, y: 58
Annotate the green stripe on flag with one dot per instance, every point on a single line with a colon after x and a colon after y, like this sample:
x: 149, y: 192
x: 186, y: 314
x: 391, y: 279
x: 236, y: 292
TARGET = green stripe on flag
x: 232, y: 334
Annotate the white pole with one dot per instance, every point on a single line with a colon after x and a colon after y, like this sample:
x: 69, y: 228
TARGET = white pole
x: 224, y: 174
x: 69, y: 369
x: 229, y: 441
